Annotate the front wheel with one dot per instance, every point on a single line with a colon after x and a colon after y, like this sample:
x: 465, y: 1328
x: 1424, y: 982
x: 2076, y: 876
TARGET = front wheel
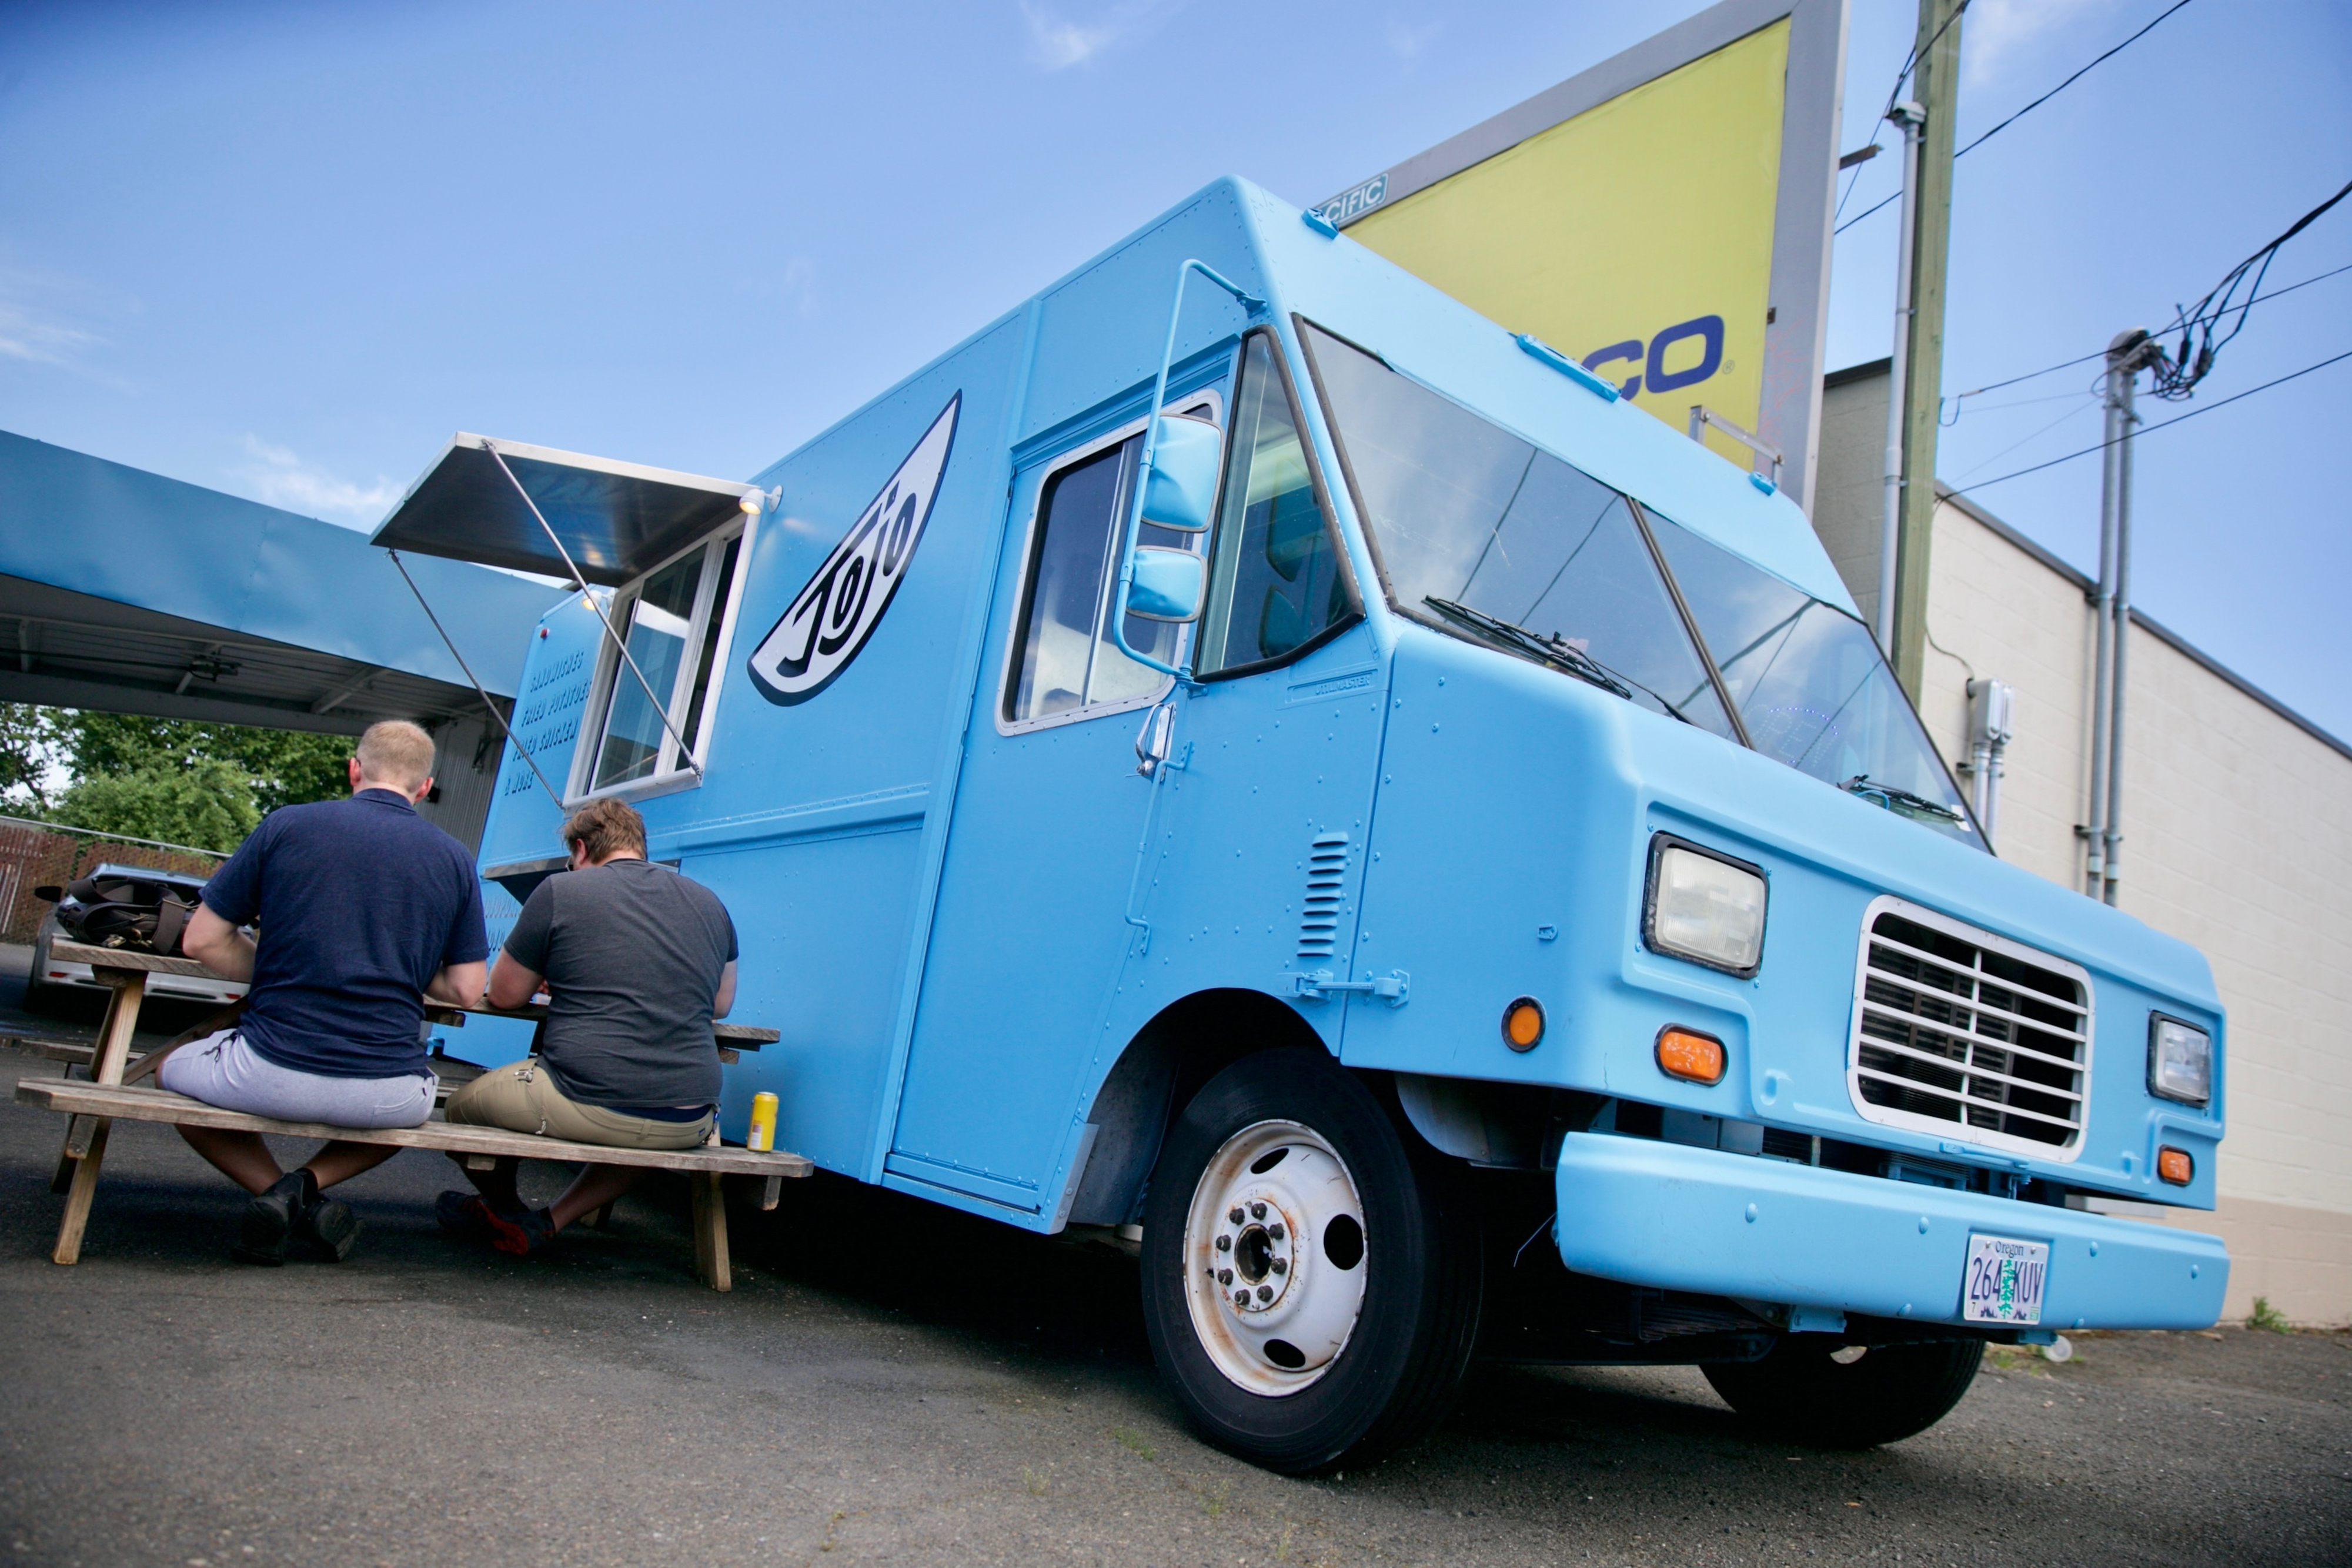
x: 1311, y: 1288
x: 1811, y: 1389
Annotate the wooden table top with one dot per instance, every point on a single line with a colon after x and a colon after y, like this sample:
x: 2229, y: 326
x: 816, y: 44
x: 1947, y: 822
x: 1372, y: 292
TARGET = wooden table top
x: 737, y: 1035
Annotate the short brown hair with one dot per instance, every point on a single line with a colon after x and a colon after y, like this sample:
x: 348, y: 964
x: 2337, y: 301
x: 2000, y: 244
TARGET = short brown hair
x: 603, y: 828
x: 395, y: 752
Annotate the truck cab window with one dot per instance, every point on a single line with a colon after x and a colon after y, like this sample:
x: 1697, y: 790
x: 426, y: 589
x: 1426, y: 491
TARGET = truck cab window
x: 1488, y: 537
x: 673, y: 620
x: 1277, y: 580
x: 1063, y: 657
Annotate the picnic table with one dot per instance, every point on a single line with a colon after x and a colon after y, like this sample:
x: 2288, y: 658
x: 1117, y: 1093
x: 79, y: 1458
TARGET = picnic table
x: 114, y: 1093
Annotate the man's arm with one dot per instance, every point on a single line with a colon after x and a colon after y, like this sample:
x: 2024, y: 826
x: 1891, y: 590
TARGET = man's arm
x: 726, y: 998
x: 460, y: 985
x: 218, y: 945
x: 512, y: 984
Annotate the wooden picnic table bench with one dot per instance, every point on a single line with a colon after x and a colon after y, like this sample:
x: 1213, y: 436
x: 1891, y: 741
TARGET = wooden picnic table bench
x: 114, y: 1094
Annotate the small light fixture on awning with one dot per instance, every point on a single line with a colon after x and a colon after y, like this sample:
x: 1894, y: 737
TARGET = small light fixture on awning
x: 617, y: 521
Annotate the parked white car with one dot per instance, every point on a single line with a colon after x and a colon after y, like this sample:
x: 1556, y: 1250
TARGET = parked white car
x: 51, y: 976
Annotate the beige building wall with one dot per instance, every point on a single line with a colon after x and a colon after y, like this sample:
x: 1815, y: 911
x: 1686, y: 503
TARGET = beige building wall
x: 2237, y: 820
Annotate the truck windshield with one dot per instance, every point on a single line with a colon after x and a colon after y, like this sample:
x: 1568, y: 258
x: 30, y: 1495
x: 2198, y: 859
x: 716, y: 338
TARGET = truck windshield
x: 1487, y: 536
x: 1811, y: 684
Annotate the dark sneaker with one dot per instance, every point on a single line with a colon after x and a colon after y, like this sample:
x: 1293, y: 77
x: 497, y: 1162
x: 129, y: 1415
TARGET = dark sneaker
x: 330, y: 1226
x: 463, y: 1214
x: 520, y: 1234
x: 270, y: 1219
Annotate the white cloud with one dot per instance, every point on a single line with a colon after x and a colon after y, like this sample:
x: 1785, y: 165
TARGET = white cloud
x: 34, y: 339
x: 1056, y: 44
x: 1997, y: 34
x: 279, y: 477
x: 1406, y: 42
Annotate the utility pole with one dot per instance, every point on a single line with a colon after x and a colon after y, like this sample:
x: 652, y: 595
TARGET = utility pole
x: 1936, y: 87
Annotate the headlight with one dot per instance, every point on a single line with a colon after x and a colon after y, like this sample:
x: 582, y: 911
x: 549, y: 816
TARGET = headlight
x: 1704, y: 906
x: 2180, y: 1061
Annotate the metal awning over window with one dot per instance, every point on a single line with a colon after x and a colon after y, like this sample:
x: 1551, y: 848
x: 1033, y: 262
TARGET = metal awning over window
x: 616, y: 519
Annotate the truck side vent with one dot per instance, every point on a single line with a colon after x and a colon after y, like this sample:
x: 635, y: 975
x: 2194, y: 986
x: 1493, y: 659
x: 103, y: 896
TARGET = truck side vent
x: 1318, y: 918
x: 1963, y: 1035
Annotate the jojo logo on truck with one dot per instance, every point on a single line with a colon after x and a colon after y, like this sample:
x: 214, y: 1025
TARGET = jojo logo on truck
x: 837, y: 610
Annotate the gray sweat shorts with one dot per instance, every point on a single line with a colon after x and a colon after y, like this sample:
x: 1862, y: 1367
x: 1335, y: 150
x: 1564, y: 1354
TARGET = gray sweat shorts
x: 222, y: 1070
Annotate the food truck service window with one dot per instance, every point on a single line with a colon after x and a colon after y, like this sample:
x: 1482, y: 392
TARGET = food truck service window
x: 676, y: 619
x: 1062, y: 662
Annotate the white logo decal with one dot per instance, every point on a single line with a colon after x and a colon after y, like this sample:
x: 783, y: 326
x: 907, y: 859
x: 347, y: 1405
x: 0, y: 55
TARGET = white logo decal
x: 842, y: 602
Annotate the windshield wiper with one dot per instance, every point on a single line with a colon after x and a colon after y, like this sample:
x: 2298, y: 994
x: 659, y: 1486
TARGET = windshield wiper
x: 1558, y: 652
x: 1864, y: 785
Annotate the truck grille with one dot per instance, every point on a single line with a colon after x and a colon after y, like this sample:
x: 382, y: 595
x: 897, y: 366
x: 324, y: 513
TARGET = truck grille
x: 1966, y: 1036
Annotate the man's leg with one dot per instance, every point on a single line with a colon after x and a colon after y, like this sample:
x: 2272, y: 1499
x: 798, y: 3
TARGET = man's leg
x: 242, y: 1157
x: 592, y: 1189
x: 340, y: 1161
x: 496, y: 1185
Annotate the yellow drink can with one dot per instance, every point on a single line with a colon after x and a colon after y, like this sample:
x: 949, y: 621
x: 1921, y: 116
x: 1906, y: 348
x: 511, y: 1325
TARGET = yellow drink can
x: 763, y: 1120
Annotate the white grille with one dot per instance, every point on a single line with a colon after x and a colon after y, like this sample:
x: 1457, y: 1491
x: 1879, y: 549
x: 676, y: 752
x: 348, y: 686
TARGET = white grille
x: 1965, y: 1035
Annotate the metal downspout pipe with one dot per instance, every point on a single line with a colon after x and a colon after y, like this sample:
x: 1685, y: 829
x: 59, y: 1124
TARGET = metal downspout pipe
x: 1911, y: 118
x: 2126, y: 355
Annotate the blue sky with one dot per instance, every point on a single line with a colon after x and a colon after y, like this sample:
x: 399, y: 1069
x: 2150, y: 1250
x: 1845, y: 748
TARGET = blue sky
x: 284, y: 250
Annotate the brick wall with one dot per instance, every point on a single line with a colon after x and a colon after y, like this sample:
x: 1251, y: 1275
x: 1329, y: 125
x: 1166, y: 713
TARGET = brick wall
x: 33, y: 857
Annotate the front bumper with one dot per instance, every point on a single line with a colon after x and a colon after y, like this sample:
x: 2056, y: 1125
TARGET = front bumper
x: 1682, y: 1218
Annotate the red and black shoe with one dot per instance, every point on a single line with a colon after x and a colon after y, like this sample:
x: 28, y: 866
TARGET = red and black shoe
x: 520, y: 1234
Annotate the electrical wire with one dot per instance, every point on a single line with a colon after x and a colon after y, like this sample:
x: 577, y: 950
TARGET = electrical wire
x: 2176, y: 374
x: 2021, y: 113
x: 1910, y: 62
x: 2101, y: 354
x: 2161, y: 424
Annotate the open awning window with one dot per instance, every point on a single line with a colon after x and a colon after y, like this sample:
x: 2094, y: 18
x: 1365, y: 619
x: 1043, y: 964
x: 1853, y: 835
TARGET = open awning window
x: 617, y: 519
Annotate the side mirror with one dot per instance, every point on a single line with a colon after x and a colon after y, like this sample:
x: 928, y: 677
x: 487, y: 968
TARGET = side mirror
x: 1181, y: 489
x: 1168, y: 584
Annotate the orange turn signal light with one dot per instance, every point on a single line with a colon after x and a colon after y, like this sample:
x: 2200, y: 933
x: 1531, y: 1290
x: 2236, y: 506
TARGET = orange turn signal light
x: 1689, y: 1055
x: 1523, y: 1024
x: 2175, y: 1165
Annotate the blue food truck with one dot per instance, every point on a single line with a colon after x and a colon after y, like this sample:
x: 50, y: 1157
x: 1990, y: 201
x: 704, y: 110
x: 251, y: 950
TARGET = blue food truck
x: 1246, y: 756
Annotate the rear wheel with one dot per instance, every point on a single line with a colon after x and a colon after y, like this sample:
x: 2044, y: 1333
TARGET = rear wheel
x: 1311, y: 1288
x: 1811, y: 1389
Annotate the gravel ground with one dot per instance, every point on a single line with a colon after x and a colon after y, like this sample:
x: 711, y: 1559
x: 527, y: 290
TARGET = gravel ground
x: 893, y: 1383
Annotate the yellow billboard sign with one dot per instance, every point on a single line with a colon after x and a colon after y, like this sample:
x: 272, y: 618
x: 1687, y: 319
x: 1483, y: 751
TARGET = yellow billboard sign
x: 1652, y: 219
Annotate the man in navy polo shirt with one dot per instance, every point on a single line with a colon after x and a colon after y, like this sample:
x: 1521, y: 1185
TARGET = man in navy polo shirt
x: 364, y: 909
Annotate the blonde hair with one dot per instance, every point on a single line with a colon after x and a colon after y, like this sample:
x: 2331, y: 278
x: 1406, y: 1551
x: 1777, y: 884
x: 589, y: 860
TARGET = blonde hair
x: 396, y: 752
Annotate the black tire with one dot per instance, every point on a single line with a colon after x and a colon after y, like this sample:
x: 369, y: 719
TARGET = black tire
x: 1395, y: 1374
x: 1799, y: 1393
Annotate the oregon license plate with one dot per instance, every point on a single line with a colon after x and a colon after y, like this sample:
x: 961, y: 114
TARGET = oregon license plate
x: 2004, y: 1280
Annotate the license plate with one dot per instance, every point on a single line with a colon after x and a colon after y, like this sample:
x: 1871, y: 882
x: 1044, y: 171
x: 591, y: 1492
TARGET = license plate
x: 2004, y: 1280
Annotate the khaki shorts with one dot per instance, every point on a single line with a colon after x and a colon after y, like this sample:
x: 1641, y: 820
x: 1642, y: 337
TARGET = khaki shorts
x: 522, y: 1097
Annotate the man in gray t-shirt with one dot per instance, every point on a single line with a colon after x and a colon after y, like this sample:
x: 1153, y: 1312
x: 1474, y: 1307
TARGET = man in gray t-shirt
x: 636, y: 960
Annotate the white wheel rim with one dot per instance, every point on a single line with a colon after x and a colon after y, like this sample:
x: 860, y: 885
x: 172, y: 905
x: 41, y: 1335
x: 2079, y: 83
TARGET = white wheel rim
x: 1273, y: 1294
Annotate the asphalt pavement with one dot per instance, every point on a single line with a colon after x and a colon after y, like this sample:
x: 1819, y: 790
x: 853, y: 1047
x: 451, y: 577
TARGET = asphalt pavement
x: 890, y: 1381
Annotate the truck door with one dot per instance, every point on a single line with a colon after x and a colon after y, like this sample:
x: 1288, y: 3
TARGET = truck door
x: 1030, y: 922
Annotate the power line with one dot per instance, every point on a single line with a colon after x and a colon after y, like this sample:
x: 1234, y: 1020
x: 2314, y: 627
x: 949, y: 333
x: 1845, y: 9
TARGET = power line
x: 2177, y: 376
x: 2177, y: 419
x: 1910, y: 61
x: 2013, y: 118
x: 2101, y: 353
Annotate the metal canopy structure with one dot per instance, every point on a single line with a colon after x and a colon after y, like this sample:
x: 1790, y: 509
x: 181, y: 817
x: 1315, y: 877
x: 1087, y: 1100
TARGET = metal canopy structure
x: 125, y: 591
x: 616, y: 520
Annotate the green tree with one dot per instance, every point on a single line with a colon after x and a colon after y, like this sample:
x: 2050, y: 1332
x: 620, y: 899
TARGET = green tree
x: 207, y: 805
x: 281, y: 767
x: 28, y: 736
